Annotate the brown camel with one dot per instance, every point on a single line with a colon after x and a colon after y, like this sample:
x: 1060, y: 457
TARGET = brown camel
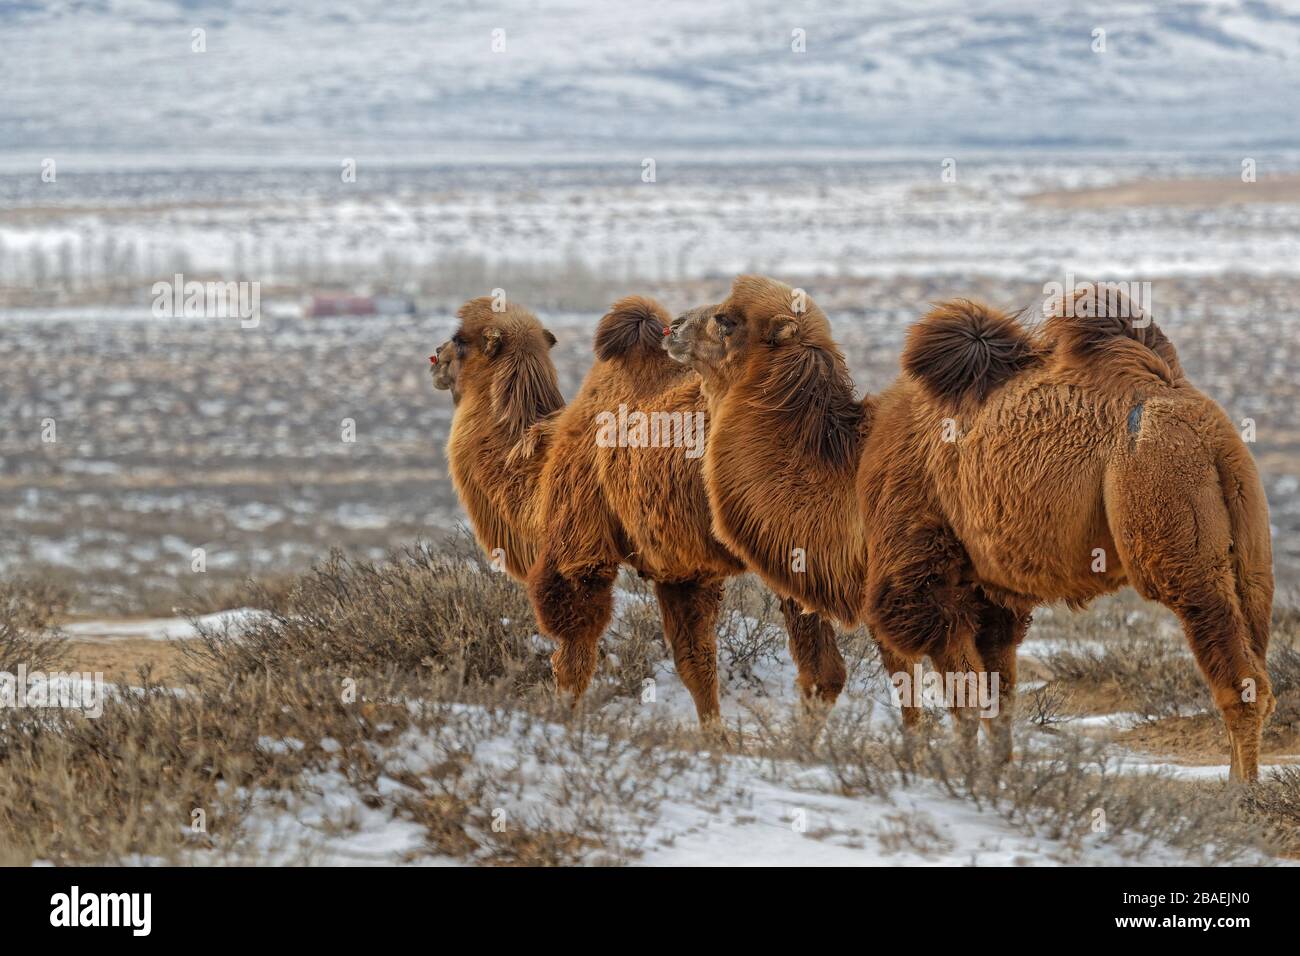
x: 504, y: 436
x: 623, y: 486
x: 498, y: 369
x: 1003, y: 470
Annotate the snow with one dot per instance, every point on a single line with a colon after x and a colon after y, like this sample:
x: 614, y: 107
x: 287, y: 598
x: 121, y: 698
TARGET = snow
x: 329, y: 825
x: 1181, y: 771
x: 759, y: 822
x: 160, y: 628
x: 756, y: 814
x: 374, y: 79
x: 867, y: 218
x: 1122, y: 720
x: 1042, y: 648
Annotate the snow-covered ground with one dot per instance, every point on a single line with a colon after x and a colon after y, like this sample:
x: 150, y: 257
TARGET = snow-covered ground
x: 751, y: 819
x: 863, y: 217
x: 159, y: 628
x: 756, y: 813
x: 376, y: 77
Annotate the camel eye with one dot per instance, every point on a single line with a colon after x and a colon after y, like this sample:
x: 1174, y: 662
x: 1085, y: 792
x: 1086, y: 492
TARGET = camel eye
x: 725, y: 325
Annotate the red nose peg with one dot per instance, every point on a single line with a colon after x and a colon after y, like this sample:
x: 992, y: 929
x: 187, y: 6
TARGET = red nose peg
x: 667, y: 330
x: 433, y: 359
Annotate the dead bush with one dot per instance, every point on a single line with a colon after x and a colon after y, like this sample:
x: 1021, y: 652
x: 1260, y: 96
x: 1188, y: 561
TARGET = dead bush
x: 751, y: 631
x: 27, y: 610
x: 421, y: 612
x: 1276, y: 800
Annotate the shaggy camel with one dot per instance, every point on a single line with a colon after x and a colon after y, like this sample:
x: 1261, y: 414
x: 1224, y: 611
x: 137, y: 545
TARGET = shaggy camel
x: 498, y: 369
x: 1003, y: 470
x: 634, y: 495
x: 504, y: 435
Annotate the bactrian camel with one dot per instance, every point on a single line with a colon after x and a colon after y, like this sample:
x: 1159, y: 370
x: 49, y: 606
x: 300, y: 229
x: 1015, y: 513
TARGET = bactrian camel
x: 1006, y: 468
x: 537, y: 483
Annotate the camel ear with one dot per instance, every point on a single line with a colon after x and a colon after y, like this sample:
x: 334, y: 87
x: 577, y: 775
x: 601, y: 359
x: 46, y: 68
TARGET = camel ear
x: 784, y: 329
x: 491, y: 341
x: 550, y: 339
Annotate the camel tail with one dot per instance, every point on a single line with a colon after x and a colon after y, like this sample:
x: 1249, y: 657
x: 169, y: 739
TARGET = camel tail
x: 633, y: 324
x: 1252, y: 548
x: 964, y: 349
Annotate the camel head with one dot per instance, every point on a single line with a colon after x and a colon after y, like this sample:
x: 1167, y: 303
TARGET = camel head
x: 685, y: 340
x: 502, y: 356
x: 485, y: 341
x: 444, y: 367
x: 760, y: 316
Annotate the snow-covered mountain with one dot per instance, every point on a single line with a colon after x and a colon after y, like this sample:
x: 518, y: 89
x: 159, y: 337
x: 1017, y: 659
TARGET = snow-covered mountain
x: 302, y: 76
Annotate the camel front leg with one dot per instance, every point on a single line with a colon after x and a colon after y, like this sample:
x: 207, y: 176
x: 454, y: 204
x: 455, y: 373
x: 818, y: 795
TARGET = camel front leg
x: 690, y: 616
x: 1000, y: 632
x: 574, y: 609
x: 962, y: 668
x: 897, y: 668
x: 817, y: 656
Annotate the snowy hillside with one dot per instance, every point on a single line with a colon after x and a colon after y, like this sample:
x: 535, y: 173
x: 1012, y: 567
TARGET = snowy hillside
x: 581, y: 75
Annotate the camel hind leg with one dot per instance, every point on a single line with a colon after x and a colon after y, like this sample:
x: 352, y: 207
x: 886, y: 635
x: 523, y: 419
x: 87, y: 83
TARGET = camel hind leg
x: 1175, y: 539
x: 1220, y: 641
x: 690, y: 615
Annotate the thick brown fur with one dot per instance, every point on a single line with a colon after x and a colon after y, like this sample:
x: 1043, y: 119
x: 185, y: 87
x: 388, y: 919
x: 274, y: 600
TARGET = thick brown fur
x: 964, y: 350
x: 987, y: 488
x: 786, y: 436
x: 643, y: 507
x: 498, y: 368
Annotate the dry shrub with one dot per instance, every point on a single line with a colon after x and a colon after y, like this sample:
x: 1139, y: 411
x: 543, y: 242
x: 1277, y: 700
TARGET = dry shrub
x: 634, y: 647
x: 1045, y: 706
x: 123, y: 788
x: 27, y: 609
x: 418, y: 687
x: 408, y: 686
x: 1054, y: 790
x: 915, y: 831
x: 607, y: 776
x: 421, y: 612
x: 1284, y: 674
x: 1155, y: 677
x: 751, y: 631
x: 1276, y: 799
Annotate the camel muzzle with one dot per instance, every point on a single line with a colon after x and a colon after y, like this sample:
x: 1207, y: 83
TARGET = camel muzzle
x: 677, y: 350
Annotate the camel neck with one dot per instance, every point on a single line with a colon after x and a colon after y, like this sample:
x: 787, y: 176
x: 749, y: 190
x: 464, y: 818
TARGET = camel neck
x: 781, y: 470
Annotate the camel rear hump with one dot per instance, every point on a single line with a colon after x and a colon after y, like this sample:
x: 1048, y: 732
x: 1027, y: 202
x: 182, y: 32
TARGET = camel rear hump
x: 963, y: 349
x: 1100, y: 321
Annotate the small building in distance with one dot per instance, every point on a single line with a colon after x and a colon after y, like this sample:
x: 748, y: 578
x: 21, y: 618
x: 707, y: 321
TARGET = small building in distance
x: 338, y: 303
